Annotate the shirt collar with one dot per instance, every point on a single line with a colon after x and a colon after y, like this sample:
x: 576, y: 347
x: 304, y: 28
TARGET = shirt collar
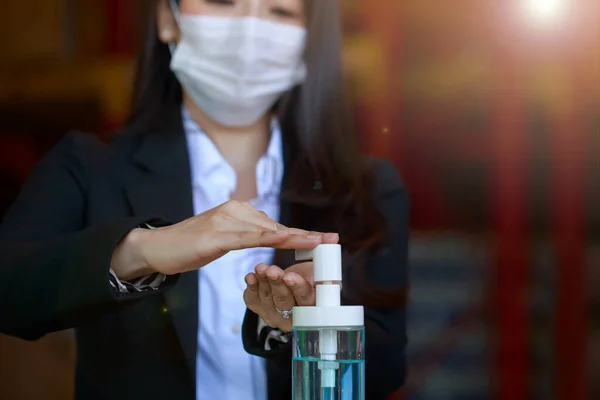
x: 205, y: 158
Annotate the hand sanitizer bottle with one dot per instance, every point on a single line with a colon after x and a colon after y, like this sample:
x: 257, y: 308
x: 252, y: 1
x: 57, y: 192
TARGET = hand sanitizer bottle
x: 328, y: 339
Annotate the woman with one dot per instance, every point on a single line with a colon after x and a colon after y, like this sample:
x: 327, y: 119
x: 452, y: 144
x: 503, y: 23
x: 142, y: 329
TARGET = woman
x: 238, y: 108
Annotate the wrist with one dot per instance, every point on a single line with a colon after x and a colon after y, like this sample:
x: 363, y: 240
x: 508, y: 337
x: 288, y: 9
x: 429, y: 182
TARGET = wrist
x: 128, y: 259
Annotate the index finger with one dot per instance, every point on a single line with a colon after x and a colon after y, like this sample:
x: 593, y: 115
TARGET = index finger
x: 283, y: 239
x: 248, y: 239
x: 262, y: 219
x: 300, y: 242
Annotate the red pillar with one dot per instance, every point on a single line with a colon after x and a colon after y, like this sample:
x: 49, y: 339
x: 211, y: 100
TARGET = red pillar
x: 120, y: 23
x: 509, y: 202
x: 568, y: 194
x: 381, y: 20
x: 397, y: 72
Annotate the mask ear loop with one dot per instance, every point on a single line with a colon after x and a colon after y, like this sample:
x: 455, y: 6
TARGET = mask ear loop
x: 176, y: 15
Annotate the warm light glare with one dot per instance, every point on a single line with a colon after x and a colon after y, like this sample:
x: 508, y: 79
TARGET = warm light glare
x: 545, y: 10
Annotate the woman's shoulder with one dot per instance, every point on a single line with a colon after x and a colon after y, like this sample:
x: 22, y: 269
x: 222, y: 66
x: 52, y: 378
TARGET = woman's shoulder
x: 84, y: 149
x: 73, y: 152
x: 76, y: 142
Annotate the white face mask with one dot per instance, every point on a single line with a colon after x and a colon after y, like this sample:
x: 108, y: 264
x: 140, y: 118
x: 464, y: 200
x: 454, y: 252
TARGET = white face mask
x: 235, y: 69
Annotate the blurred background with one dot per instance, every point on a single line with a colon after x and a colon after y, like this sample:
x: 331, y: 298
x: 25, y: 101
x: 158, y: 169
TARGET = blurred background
x: 489, y: 108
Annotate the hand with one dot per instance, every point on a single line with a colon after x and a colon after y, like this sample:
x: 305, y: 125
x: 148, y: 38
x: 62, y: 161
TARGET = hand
x: 195, y: 242
x: 271, y: 288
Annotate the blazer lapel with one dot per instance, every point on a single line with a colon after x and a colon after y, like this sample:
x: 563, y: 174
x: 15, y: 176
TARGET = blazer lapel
x: 162, y: 189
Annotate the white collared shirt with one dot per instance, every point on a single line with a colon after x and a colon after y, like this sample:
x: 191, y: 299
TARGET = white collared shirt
x: 224, y: 370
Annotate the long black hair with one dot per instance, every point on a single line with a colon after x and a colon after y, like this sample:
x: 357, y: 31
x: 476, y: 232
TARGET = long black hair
x: 326, y: 174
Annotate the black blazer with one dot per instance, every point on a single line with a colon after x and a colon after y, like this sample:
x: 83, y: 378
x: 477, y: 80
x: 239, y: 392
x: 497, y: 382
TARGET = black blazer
x: 55, y: 248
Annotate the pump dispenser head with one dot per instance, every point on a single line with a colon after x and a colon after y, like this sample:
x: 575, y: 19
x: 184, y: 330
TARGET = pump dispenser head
x: 328, y: 311
x: 327, y: 261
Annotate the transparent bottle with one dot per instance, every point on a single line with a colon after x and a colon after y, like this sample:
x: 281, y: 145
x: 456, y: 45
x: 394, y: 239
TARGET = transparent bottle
x: 328, y: 338
x: 340, y: 378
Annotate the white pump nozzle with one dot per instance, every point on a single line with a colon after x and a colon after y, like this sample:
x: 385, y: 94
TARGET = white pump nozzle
x: 327, y: 265
x: 327, y: 260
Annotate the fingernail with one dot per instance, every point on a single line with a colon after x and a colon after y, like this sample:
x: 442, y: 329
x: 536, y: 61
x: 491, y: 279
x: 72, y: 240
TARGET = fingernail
x: 261, y: 268
x: 314, y: 235
x: 250, y: 279
x: 289, y: 282
x: 332, y: 236
x: 273, y: 276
